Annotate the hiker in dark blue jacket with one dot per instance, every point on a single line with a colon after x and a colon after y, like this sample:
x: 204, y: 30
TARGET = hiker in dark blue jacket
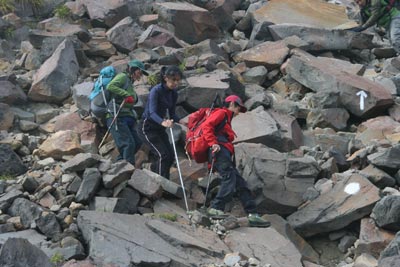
x: 159, y: 114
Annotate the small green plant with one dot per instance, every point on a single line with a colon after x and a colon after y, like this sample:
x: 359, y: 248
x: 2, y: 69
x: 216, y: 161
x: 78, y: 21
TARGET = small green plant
x: 152, y: 79
x: 63, y: 12
x: 57, y: 258
x: 182, y: 66
x: 168, y: 216
x: 4, y: 177
x: 201, y: 70
x: 9, y: 32
x: 6, y: 6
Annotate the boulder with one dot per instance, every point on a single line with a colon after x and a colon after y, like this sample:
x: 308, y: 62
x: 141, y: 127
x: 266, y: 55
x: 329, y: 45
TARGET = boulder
x: 53, y: 80
x: 349, y: 200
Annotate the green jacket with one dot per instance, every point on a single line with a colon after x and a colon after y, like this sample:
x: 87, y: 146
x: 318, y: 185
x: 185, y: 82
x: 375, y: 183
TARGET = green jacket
x: 375, y: 12
x: 116, y: 88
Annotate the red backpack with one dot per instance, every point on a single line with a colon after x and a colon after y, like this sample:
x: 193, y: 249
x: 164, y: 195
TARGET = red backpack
x: 195, y: 145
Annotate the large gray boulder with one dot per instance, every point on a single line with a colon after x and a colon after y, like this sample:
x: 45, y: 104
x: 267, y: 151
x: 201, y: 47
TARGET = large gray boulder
x: 52, y: 82
x: 126, y: 240
x: 332, y: 39
x: 350, y: 199
x: 124, y: 35
x: 390, y: 257
x: 324, y: 77
x: 267, y: 245
x: 10, y: 162
x: 11, y: 93
x: 278, y: 181
x: 190, y: 23
x: 203, y: 87
x: 6, y: 117
x: 386, y: 213
x: 18, y: 252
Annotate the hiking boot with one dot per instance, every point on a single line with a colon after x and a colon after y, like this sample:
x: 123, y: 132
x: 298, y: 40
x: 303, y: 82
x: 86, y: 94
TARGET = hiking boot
x: 256, y: 221
x: 216, y: 214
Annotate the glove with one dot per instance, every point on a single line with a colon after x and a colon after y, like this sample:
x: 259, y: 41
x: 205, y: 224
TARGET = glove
x: 129, y: 100
x: 356, y: 29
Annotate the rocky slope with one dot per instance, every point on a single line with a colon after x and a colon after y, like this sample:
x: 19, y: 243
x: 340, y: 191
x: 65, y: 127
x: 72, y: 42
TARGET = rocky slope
x: 318, y: 147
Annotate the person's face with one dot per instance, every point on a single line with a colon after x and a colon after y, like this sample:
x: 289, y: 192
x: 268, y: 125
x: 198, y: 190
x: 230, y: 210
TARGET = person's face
x: 136, y: 75
x: 172, y: 81
x: 234, y: 109
x: 361, y: 3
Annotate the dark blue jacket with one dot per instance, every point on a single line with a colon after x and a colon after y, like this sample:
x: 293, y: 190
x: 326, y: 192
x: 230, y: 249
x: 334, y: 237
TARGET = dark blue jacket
x: 160, y: 99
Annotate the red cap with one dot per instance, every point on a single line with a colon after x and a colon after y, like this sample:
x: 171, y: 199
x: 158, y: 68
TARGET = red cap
x: 237, y: 100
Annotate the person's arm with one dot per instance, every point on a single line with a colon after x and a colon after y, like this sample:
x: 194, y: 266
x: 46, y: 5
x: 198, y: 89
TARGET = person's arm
x: 153, y: 103
x: 209, y: 126
x: 116, y: 86
x: 375, y: 14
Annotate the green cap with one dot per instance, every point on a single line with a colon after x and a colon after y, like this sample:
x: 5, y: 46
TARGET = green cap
x: 138, y: 64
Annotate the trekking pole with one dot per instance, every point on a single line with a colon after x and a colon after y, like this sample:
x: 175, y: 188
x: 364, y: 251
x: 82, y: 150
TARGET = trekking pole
x: 209, y: 179
x: 177, y: 164
x: 115, y: 113
x: 112, y: 123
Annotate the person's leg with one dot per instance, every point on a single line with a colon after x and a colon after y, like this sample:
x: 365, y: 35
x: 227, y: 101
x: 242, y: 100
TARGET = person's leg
x: 136, y: 136
x: 142, y: 155
x: 224, y: 166
x: 123, y: 139
x: 158, y: 142
x: 248, y: 203
x: 394, y: 34
x: 244, y: 193
x: 151, y: 138
x: 131, y: 123
x: 167, y: 155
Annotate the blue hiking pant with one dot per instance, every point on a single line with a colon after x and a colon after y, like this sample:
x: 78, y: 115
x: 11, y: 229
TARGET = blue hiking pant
x: 125, y: 137
x: 232, y: 182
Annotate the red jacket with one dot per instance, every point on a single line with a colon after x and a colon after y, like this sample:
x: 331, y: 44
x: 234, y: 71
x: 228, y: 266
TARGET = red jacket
x: 226, y: 135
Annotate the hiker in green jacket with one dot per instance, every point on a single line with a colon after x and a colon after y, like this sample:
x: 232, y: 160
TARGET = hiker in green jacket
x: 123, y: 130
x: 383, y: 13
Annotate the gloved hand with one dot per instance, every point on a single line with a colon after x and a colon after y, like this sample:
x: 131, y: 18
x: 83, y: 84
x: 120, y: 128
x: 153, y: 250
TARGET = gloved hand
x: 356, y: 29
x: 129, y: 100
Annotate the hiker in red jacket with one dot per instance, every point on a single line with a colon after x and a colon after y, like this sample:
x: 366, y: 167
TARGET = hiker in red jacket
x: 222, y: 151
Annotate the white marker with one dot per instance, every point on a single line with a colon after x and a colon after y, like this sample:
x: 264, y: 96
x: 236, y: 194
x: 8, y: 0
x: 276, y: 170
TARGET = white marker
x: 352, y: 188
x: 362, y: 95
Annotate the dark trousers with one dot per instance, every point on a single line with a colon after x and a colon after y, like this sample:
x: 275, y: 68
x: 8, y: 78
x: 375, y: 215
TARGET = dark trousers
x: 232, y: 182
x: 126, y: 138
x: 157, y: 139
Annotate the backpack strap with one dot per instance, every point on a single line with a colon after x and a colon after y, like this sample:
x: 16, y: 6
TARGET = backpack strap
x: 102, y: 89
x: 221, y: 125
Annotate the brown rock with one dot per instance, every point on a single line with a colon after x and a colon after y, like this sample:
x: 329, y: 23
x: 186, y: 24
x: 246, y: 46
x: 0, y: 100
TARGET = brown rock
x: 268, y: 54
x: 60, y: 144
x: 372, y: 240
x: 307, y: 12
